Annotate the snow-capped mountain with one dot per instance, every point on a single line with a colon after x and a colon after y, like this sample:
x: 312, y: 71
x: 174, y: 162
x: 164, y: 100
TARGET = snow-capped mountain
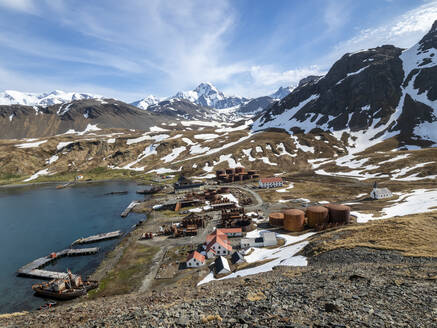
x: 371, y: 95
x: 281, y: 93
x: 147, y: 101
x: 206, y: 94
x: 12, y: 97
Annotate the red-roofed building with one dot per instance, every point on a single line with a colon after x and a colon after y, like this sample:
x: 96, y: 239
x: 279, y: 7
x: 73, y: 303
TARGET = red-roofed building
x: 195, y: 259
x: 270, y: 182
x: 210, y: 253
x: 215, y: 233
x: 231, y: 232
x: 219, y: 246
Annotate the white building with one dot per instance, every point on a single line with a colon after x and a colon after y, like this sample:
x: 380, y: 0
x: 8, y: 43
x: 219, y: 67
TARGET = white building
x: 195, y: 259
x: 270, y: 182
x: 380, y: 193
x: 219, y: 245
x: 267, y: 238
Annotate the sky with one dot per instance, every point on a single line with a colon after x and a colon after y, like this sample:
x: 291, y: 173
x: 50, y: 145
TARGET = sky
x: 132, y: 48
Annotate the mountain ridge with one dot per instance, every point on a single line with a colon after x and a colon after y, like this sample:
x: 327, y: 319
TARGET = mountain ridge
x: 371, y: 95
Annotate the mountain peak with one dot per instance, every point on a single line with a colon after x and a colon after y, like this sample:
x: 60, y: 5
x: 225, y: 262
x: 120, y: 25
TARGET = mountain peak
x: 430, y: 38
x: 281, y: 92
x: 206, y: 94
x: 13, y: 97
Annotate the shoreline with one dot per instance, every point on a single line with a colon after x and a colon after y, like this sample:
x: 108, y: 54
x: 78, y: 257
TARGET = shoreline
x: 134, y: 222
x: 34, y: 184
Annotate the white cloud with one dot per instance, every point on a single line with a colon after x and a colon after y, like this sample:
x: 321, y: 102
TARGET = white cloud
x: 336, y: 14
x: 174, y: 45
x: 19, y: 5
x: 402, y: 31
x: 268, y: 75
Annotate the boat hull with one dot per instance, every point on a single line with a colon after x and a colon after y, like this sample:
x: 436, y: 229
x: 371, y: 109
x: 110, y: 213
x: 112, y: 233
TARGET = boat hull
x: 64, y: 295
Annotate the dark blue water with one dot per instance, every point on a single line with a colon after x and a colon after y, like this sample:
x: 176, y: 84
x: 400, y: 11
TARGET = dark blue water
x: 37, y: 220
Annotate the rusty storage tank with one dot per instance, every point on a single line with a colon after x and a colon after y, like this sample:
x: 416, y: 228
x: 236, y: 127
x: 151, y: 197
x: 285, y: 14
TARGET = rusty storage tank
x: 338, y: 213
x: 276, y: 219
x: 294, y: 220
x: 317, y: 215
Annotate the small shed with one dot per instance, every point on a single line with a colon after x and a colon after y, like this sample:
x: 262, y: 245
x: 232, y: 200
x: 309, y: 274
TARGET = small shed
x: 269, y: 238
x: 195, y: 259
x: 221, y: 265
x: 237, y: 258
x: 266, y: 238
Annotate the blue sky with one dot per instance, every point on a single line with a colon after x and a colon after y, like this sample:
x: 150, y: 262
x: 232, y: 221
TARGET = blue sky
x: 130, y: 49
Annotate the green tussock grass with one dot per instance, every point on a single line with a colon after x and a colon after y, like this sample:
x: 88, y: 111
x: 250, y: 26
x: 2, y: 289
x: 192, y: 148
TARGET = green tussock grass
x: 128, y: 273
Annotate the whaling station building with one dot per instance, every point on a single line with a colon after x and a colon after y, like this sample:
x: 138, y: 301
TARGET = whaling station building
x: 270, y: 182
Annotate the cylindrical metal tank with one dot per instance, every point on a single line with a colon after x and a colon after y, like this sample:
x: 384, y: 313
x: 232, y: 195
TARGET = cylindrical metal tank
x: 276, y: 219
x: 317, y: 215
x: 294, y: 220
x: 338, y: 213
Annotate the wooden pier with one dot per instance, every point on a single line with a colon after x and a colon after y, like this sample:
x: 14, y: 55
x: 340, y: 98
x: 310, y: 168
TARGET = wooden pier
x: 99, y: 237
x: 32, y: 269
x: 129, y: 208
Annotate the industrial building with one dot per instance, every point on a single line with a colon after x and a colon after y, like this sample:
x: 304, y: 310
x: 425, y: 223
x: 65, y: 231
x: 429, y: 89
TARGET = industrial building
x: 234, y: 175
x: 184, y: 183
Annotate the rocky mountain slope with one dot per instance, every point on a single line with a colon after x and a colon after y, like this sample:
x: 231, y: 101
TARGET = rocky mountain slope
x: 345, y: 287
x: 18, y: 121
x: 281, y: 93
x: 371, y: 95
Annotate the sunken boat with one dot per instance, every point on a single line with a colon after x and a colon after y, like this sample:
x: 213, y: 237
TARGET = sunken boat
x: 64, y: 289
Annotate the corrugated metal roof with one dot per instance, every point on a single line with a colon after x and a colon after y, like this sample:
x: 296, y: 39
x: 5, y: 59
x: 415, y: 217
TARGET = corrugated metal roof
x: 270, y: 180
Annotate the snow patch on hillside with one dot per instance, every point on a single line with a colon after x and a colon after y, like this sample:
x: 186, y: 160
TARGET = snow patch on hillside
x: 31, y: 144
x: 418, y: 201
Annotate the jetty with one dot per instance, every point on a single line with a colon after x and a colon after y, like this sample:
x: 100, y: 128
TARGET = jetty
x: 129, y: 208
x: 99, y: 237
x: 32, y: 269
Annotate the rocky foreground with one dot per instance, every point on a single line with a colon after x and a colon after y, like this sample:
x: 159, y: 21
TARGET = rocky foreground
x: 360, y: 287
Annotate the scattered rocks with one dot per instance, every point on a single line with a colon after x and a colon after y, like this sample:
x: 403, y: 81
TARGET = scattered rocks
x: 370, y: 292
